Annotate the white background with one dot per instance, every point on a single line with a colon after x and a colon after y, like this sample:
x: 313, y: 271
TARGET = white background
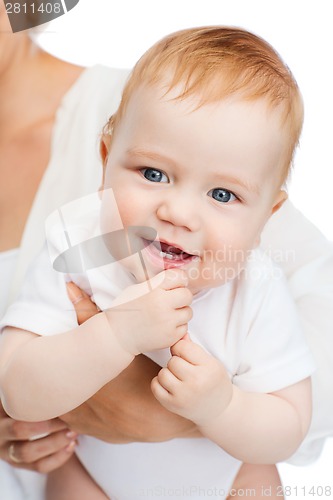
x: 116, y: 33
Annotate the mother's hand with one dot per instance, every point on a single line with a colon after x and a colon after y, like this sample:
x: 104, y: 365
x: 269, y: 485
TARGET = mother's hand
x: 125, y: 409
x: 21, y: 447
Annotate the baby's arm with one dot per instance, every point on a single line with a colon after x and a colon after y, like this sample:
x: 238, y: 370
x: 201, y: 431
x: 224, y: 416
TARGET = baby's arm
x: 253, y: 427
x: 43, y: 377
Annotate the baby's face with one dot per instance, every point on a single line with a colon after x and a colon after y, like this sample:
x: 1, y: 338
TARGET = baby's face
x: 205, y: 179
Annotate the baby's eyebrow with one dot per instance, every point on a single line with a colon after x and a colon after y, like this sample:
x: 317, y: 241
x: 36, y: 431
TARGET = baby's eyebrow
x: 243, y: 183
x: 152, y: 155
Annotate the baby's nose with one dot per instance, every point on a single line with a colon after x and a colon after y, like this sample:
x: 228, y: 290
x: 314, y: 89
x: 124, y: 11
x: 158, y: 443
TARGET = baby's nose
x: 179, y: 211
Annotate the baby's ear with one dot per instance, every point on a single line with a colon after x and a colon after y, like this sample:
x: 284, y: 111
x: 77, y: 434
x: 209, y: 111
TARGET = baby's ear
x: 104, y: 148
x: 280, y: 198
x: 106, y: 139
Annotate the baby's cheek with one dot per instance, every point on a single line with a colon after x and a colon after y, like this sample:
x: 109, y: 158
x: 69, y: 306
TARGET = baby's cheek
x: 128, y: 217
x: 129, y: 209
x: 241, y: 242
x: 227, y: 261
x: 110, y: 217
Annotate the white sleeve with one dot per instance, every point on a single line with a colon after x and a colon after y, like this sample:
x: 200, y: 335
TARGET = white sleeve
x: 43, y: 306
x: 307, y: 260
x: 274, y: 353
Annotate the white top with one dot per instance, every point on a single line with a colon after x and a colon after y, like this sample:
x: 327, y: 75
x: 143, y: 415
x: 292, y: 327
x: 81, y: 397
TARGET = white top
x: 8, y: 261
x: 306, y: 257
x: 240, y: 323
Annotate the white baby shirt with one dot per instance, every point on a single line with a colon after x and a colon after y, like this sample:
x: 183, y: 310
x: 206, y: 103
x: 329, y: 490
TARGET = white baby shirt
x: 250, y: 324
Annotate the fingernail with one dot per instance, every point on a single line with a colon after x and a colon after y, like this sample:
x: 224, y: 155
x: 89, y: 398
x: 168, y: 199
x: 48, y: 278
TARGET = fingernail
x: 71, y: 435
x: 74, y: 293
x: 38, y: 436
x: 70, y: 447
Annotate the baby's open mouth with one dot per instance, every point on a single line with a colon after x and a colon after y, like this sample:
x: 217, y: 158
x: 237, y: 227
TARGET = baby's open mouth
x: 169, y: 252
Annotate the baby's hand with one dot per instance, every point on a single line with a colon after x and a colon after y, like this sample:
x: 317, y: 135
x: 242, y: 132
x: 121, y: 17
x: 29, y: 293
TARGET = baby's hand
x: 148, y: 320
x: 195, y: 385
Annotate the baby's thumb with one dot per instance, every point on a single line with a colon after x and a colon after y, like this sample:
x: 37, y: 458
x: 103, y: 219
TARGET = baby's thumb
x: 173, y: 278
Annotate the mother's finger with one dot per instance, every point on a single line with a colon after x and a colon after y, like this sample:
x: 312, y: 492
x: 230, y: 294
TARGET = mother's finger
x: 85, y: 308
x: 15, y: 430
x: 48, y: 463
x: 52, y: 462
x: 28, y: 452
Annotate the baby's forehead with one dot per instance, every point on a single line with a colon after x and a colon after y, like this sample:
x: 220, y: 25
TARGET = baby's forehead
x: 234, y: 122
x: 147, y: 95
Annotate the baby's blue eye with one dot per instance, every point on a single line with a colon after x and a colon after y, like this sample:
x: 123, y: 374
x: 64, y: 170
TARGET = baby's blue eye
x: 154, y: 175
x: 222, y: 195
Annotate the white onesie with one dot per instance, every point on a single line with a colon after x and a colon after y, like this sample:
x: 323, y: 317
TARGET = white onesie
x: 250, y: 324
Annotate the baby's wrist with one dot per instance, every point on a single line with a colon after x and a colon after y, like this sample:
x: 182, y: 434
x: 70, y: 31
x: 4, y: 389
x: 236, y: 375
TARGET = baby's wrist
x: 99, y: 342
x: 216, y: 415
x: 124, y: 336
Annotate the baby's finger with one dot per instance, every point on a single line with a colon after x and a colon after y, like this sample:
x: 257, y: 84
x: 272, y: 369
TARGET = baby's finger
x: 183, y: 316
x: 167, y: 380
x: 179, y: 297
x: 181, y: 331
x: 189, y: 351
x: 85, y: 308
x: 161, y: 394
x: 179, y: 367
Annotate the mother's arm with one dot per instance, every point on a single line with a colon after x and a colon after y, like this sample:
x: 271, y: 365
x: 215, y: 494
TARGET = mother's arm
x: 125, y: 409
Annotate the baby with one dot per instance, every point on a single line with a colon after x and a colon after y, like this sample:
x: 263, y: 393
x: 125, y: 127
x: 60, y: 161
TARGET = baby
x: 195, y: 160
